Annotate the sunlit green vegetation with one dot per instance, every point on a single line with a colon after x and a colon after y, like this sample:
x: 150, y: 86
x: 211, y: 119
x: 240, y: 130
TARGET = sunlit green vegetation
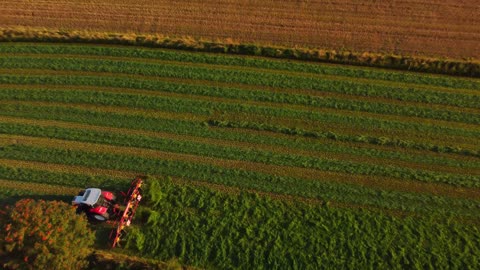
x: 275, y: 163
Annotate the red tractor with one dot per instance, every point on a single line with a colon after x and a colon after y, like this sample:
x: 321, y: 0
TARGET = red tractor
x: 101, y: 206
x: 97, y: 204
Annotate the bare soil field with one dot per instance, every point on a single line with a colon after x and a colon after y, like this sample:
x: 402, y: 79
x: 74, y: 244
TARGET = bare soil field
x: 449, y: 28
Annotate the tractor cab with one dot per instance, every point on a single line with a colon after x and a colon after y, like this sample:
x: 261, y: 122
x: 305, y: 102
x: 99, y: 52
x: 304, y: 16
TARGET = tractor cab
x: 98, y: 205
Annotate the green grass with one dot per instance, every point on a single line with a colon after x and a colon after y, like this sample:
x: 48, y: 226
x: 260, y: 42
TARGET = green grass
x: 201, y: 129
x: 211, y: 229
x: 301, y: 165
x: 249, y: 77
x: 219, y: 59
x: 321, y: 189
x: 231, y: 153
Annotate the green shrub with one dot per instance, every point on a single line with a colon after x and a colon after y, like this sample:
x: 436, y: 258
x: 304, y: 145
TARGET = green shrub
x: 43, y: 235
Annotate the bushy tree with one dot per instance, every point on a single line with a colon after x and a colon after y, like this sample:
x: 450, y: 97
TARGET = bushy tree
x: 43, y: 235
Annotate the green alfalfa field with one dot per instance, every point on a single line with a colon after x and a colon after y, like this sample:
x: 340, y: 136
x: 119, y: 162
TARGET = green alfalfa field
x: 253, y: 162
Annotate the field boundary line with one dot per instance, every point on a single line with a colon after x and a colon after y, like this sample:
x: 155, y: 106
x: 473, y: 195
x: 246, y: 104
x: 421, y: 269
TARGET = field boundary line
x: 417, y: 63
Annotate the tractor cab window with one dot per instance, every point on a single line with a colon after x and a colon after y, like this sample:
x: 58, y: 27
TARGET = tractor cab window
x: 85, y: 197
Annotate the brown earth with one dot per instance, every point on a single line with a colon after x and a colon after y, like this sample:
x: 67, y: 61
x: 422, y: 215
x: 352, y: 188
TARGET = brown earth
x: 448, y: 28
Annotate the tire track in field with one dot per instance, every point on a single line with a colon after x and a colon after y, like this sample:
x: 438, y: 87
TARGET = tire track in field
x: 191, y: 117
x: 242, y: 145
x: 381, y: 183
x: 402, y: 86
x: 435, y: 138
x: 286, y: 120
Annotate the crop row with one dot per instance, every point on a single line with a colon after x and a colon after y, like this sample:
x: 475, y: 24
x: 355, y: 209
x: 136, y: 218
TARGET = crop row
x: 361, y: 138
x: 61, y: 178
x: 204, y: 107
x: 199, y: 129
x: 444, y: 144
x: 249, y: 77
x: 110, y: 99
x: 8, y: 195
x: 330, y: 150
x: 201, y: 149
x: 320, y: 189
x: 156, y: 87
x: 255, y: 62
x: 205, y: 228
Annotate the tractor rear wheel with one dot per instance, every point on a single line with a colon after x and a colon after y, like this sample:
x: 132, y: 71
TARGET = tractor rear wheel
x: 102, y: 218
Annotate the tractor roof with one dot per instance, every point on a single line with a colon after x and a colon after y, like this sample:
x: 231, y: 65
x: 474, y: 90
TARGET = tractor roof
x: 90, y: 197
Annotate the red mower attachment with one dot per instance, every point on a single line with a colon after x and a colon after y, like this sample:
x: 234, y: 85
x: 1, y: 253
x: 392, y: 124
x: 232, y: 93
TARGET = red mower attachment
x: 132, y: 200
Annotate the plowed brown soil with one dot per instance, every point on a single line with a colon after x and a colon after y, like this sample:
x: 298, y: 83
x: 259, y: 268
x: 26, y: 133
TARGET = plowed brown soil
x: 448, y: 28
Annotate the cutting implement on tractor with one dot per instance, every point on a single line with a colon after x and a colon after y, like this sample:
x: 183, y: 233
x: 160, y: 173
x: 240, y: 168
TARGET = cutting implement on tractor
x: 100, y: 206
x: 132, y: 200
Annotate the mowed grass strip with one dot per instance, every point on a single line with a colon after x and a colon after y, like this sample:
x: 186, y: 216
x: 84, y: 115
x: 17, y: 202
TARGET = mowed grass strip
x: 412, y: 202
x: 71, y: 169
x: 429, y: 89
x: 54, y: 107
x: 56, y: 127
x: 430, y: 133
x: 324, y: 163
x: 250, y: 77
x: 401, y: 77
x: 204, y: 105
x: 181, y: 125
x: 108, y: 82
x: 206, y: 88
x: 69, y: 176
x: 270, y: 169
x: 469, y: 150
